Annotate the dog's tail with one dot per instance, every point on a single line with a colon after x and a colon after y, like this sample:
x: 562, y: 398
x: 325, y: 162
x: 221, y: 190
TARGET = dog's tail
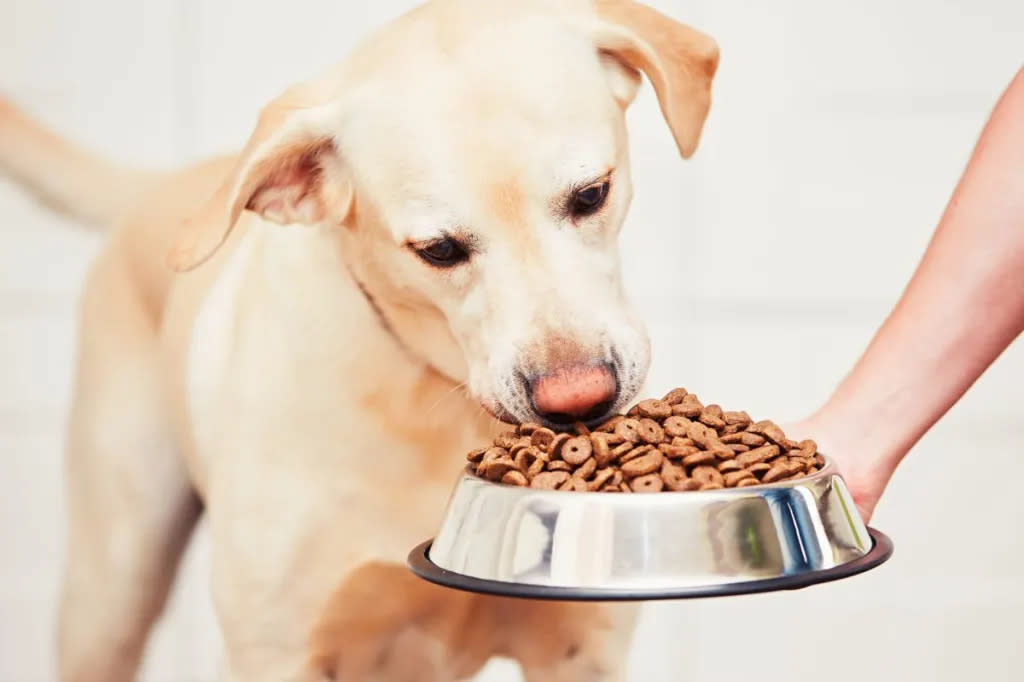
x: 71, y: 180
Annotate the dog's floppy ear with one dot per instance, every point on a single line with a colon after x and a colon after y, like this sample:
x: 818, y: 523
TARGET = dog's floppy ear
x: 678, y: 60
x: 289, y: 172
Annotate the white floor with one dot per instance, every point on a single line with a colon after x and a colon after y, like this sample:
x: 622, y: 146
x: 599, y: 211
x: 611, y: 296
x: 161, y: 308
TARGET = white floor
x: 763, y: 267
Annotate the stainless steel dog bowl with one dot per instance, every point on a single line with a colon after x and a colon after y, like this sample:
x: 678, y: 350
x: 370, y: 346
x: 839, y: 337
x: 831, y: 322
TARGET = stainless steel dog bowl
x: 540, y: 544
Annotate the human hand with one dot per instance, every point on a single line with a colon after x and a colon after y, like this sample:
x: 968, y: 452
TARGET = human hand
x: 860, y: 465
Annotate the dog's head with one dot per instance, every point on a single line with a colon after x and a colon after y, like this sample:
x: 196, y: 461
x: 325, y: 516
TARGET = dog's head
x: 472, y: 158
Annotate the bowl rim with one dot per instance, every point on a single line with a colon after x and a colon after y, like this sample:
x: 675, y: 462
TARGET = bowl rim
x: 419, y: 563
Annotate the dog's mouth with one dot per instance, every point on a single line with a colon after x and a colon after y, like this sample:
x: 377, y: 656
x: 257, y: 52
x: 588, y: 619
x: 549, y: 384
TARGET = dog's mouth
x: 500, y: 412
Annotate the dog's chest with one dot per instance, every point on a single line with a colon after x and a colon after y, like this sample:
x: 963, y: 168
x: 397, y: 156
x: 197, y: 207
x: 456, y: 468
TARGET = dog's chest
x: 301, y: 403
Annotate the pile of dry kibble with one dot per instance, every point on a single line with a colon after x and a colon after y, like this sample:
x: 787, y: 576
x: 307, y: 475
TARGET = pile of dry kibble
x: 675, y: 443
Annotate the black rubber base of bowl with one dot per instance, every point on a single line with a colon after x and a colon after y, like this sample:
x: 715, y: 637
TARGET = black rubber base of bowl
x: 421, y: 565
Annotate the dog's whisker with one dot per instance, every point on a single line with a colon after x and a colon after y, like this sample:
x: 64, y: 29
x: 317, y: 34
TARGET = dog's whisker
x: 447, y: 394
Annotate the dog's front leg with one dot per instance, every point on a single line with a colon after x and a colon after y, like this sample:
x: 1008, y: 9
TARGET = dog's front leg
x: 568, y: 642
x: 384, y: 624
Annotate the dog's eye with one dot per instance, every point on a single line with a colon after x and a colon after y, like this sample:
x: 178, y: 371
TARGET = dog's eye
x: 589, y: 199
x: 444, y: 253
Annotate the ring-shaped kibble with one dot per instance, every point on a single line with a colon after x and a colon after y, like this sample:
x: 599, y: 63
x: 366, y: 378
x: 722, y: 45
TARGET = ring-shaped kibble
x: 654, y: 409
x: 557, y: 443
x: 586, y: 470
x: 514, y: 477
x: 542, y: 437
x: 650, y: 431
x: 649, y: 483
x: 602, y: 453
x: 677, y: 425
x: 675, y: 396
x: 628, y: 430
x: 577, y: 450
x: 549, y: 480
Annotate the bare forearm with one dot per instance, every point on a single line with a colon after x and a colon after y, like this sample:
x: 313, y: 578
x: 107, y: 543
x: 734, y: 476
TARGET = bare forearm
x: 963, y: 307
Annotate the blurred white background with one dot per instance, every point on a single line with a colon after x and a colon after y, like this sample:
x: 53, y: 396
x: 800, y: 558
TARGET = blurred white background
x: 763, y: 266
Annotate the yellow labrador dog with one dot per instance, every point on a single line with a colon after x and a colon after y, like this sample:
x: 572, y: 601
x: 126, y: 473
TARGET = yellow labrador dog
x: 437, y: 213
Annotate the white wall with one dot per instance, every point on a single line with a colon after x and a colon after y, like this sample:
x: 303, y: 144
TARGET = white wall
x: 763, y: 267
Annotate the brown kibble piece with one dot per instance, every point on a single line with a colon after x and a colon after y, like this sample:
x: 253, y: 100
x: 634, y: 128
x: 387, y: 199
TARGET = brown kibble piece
x: 514, y: 477
x: 699, y: 458
x: 709, y: 419
x: 650, y: 483
x: 587, y: 469
x: 807, y: 448
x: 729, y: 465
x: 525, y: 457
x: 711, y: 486
x: 650, y: 431
x: 675, y: 396
x: 731, y: 438
x: 730, y: 429
x: 734, y: 477
x: 577, y: 450
x: 654, y: 409
x: 559, y: 465
x: 634, y: 453
x: 738, y: 448
x: 674, y: 476
x: 602, y: 453
x: 747, y: 482
x: 677, y: 426
x: 557, y: 443
x: 795, y: 468
x: 628, y: 430
x: 684, y: 442
x: 819, y: 460
x: 736, y: 418
x: 752, y: 440
x: 609, y: 438
x: 601, y: 477
x: 761, y: 454
x: 581, y: 429
x: 707, y: 474
x: 721, y: 451
x: 677, y: 451
x: 774, y: 474
x: 527, y: 428
x: 609, y: 425
x: 520, y: 445
x: 475, y: 456
x: 549, y: 480
x: 759, y: 468
x: 620, y: 451
x: 495, y: 468
x: 644, y: 464
x: 506, y: 440
x: 701, y: 435
x: 772, y: 432
x: 542, y: 438
x: 689, y: 407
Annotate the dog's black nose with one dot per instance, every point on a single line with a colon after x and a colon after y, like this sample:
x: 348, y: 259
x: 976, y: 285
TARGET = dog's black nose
x: 567, y: 395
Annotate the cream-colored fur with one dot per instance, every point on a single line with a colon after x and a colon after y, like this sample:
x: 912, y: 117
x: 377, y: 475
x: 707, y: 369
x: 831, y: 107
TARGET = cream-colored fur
x: 309, y: 382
